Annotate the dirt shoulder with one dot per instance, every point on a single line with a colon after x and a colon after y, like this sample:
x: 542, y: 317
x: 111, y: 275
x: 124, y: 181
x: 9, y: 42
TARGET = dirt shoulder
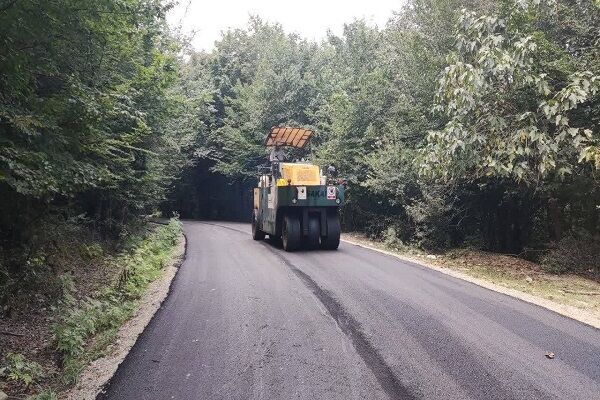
x: 570, y: 295
x: 99, y: 372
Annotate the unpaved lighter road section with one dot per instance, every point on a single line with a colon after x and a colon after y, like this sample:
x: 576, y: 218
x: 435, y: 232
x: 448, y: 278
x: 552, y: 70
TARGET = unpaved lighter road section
x: 245, y: 320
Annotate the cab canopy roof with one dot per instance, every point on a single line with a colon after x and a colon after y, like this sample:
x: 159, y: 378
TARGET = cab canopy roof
x: 288, y: 136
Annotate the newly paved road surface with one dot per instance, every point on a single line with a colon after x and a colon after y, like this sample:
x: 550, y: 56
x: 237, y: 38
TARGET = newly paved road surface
x: 245, y: 320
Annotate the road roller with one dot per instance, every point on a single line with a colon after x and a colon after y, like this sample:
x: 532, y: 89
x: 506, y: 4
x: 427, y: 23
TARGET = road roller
x: 297, y: 203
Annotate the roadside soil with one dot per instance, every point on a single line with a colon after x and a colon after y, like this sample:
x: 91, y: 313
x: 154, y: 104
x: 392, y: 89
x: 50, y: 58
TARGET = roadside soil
x: 30, y: 333
x: 571, y: 295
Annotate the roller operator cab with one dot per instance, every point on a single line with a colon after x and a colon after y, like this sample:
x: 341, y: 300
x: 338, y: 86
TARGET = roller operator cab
x: 295, y: 201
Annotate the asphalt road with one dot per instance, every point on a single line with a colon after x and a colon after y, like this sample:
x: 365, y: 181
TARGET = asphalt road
x: 245, y: 320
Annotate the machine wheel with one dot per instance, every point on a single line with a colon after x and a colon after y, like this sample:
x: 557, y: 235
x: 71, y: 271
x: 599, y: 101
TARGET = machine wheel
x: 332, y: 240
x: 275, y: 240
x: 290, y: 233
x: 314, y: 232
x: 257, y: 234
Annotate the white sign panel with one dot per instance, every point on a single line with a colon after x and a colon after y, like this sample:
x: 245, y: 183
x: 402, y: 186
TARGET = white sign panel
x: 301, y: 192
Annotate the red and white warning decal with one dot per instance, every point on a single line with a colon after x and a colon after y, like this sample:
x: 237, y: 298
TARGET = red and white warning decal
x: 331, y: 193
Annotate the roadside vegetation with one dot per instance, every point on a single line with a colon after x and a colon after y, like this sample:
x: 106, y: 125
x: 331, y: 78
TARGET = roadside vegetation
x: 91, y: 134
x: 51, y: 346
x: 91, y: 138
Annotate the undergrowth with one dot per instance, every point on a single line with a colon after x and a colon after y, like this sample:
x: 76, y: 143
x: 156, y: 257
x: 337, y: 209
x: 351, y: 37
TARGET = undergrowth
x: 18, y: 369
x: 86, y: 325
x: 100, y: 317
x: 33, y: 272
x: 578, y: 253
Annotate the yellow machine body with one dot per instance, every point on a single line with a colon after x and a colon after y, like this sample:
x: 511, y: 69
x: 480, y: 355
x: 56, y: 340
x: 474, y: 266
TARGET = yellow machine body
x: 299, y: 175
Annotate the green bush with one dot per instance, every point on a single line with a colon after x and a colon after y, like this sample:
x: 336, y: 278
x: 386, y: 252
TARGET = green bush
x: 574, y: 253
x: 17, y: 368
x: 391, y: 239
x: 432, y: 217
x: 40, y: 270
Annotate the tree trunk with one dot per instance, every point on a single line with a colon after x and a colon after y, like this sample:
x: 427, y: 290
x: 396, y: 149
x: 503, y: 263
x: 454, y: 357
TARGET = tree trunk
x: 555, y: 216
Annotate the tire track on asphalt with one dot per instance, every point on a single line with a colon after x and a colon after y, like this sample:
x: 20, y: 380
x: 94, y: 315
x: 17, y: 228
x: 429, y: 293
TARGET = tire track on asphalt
x: 224, y: 226
x: 353, y: 330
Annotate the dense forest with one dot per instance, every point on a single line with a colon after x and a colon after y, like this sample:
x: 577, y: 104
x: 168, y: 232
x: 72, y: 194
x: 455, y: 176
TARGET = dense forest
x: 459, y: 123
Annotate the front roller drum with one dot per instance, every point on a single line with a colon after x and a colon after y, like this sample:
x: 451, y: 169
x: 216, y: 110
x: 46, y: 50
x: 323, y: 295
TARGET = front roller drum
x: 332, y: 240
x: 291, y: 234
x: 257, y: 234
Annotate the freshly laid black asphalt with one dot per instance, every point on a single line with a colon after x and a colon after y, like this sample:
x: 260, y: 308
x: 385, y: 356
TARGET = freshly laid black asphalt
x: 246, y: 320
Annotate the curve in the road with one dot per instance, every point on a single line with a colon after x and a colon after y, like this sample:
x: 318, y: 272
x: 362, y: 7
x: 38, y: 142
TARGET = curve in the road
x: 246, y: 320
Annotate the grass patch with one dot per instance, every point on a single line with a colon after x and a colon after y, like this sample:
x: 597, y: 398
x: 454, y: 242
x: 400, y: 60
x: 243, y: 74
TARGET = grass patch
x: 85, y: 328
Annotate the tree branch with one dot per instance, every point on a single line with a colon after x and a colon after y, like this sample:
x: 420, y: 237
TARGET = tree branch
x: 9, y: 5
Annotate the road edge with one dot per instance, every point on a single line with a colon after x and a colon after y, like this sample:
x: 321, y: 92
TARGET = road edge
x: 99, y: 372
x: 562, y: 309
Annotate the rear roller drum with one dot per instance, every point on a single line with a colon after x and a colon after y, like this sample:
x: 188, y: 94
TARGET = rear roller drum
x: 332, y: 240
x: 291, y: 233
x: 314, y: 232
